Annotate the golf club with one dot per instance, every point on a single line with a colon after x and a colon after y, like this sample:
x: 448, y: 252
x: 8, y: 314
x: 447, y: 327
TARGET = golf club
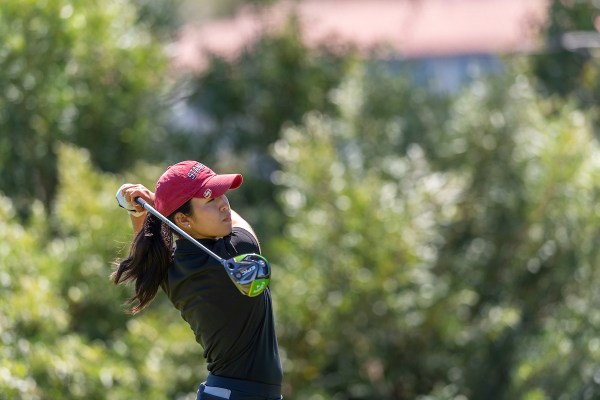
x: 250, y: 273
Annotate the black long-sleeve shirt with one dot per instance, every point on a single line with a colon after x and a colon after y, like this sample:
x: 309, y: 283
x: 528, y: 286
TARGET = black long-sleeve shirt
x: 237, y: 332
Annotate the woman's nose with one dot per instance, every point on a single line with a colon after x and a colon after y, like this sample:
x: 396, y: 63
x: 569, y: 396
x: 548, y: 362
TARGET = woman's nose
x: 224, y: 203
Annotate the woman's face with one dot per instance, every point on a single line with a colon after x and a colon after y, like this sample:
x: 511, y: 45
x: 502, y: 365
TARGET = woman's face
x: 210, y: 218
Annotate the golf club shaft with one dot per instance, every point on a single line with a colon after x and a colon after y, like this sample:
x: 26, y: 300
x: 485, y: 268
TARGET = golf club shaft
x: 177, y: 229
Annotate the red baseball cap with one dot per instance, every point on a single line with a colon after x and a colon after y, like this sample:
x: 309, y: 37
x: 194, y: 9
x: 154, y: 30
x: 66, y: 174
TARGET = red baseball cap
x: 189, y: 179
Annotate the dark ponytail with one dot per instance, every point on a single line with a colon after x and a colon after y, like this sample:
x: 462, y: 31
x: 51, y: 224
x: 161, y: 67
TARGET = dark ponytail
x: 147, y: 264
x: 150, y: 257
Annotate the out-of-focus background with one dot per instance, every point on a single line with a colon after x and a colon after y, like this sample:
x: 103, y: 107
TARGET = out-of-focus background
x: 423, y: 175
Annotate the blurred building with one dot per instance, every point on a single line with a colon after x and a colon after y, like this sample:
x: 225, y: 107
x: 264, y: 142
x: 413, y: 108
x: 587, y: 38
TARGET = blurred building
x: 450, y: 40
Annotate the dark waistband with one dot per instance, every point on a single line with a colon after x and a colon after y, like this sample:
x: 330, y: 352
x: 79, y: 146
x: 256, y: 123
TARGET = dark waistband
x: 249, y: 387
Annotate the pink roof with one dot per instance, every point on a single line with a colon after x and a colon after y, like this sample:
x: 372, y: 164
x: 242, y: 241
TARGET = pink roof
x: 409, y: 28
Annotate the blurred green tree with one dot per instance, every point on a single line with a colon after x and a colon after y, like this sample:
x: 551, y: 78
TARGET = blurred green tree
x: 193, y: 11
x: 74, y: 71
x: 437, y: 272
x: 63, y: 330
x: 231, y: 113
x: 162, y: 17
x: 569, y: 64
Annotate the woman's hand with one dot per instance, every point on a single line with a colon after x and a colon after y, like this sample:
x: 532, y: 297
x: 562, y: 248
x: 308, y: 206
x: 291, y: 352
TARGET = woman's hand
x: 132, y: 191
x: 126, y: 196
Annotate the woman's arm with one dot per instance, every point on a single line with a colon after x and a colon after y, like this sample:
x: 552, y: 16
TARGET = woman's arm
x: 239, y: 222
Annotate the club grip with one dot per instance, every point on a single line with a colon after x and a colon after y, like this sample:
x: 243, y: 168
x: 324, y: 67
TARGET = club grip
x: 141, y: 201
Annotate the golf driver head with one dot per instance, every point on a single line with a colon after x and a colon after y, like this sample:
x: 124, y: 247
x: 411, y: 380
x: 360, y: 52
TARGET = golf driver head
x: 250, y: 273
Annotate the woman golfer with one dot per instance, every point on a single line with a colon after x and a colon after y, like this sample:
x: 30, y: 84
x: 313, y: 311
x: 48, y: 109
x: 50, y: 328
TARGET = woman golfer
x: 237, y: 332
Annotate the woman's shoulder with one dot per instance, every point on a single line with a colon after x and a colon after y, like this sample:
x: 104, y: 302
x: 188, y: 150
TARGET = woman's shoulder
x: 243, y: 241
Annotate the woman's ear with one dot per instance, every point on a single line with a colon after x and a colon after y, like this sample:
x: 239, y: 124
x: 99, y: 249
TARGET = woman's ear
x: 182, y: 220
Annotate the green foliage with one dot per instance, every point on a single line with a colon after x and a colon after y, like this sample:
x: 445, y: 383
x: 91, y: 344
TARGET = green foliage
x: 194, y: 11
x: 161, y: 16
x: 524, y: 234
x: 75, y: 71
x: 434, y: 274
x: 570, y: 72
x: 64, y: 330
x: 275, y: 82
x: 239, y: 109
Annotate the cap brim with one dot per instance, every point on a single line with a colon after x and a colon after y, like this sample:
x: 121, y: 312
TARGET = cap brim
x: 218, y: 185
